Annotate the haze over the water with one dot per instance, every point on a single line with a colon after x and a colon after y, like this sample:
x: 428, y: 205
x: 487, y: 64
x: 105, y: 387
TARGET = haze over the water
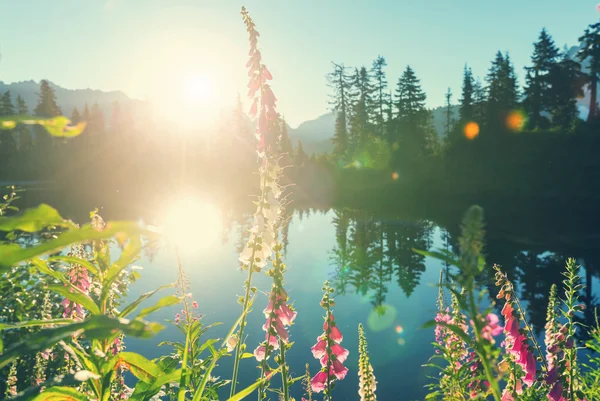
x: 154, y: 49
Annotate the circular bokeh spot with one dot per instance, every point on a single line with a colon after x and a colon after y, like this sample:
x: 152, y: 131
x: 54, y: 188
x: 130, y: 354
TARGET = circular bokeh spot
x: 381, y: 317
x: 394, y: 176
x: 515, y: 121
x: 471, y: 130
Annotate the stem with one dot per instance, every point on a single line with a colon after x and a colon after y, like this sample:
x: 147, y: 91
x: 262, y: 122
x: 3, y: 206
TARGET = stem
x: 284, y: 375
x: 531, y: 335
x: 484, y: 361
x: 238, y: 349
x: 183, y: 380
x: 328, y: 334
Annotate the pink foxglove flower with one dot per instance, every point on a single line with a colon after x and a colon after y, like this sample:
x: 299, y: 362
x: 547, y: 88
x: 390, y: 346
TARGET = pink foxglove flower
x: 78, y: 276
x: 279, y: 316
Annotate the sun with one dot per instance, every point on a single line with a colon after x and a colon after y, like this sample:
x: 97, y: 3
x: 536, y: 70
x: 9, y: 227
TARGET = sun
x: 198, y: 88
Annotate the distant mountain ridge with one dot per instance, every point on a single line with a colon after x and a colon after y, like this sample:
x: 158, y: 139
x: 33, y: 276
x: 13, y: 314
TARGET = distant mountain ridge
x: 68, y: 99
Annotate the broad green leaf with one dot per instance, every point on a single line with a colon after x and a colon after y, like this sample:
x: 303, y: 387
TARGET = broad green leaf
x: 250, y: 389
x: 34, y: 323
x: 95, y: 327
x: 444, y: 256
x: 133, y: 306
x: 57, y: 126
x: 76, y: 295
x: 145, y: 391
x: 140, y: 367
x: 128, y: 256
x: 12, y: 254
x: 61, y: 394
x: 75, y: 261
x: 162, y: 303
x: 34, y: 220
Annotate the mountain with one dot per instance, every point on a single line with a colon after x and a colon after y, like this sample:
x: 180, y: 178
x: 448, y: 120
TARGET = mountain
x: 68, y: 99
x: 315, y: 134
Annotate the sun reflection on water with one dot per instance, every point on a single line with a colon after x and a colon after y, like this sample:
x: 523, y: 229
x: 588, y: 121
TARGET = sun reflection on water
x: 192, y: 224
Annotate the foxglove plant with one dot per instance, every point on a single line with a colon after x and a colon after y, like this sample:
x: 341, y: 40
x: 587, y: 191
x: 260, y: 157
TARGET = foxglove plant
x: 259, y: 247
x: 366, y: 378
x: 328, y: 349
x: 279, y: 315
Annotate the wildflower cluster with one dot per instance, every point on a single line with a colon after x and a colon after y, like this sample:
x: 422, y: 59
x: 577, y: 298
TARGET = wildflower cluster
x: 328, y: 349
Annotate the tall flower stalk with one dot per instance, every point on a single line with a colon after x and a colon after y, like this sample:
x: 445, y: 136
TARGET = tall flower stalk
x: 279, y: 315
x: 366, y: 378
x: 328, y: 349
x: 258, y: 249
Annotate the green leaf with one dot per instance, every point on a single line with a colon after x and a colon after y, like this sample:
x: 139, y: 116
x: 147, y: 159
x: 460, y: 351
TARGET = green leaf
x: 34, y: 220
x: 140, y: 367
x: 75, y: 261
x: 128, y: 256
x: 95, y: 327
x: 12, y: 254
x: 145, y: 391
x: 162, y: 303
x: 61, y: 394
x: 76, y: 295
x: 34, y: 323
x: 443, y: 255
x: 133, y: 306
x: 250, y: 389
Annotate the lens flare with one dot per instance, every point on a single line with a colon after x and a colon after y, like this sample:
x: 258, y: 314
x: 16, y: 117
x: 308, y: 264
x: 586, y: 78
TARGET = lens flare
x: 401, y: 341
x: 399, y: 329
x: 394, y: 176
x: 471, y: 130
x: 515, y: 121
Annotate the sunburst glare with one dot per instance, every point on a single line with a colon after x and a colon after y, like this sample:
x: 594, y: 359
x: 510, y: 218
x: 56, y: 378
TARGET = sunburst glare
x: 192, y: 224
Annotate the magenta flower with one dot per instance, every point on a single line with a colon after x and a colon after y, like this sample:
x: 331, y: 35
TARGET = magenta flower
x: 330, y: 353
x: 78, y: 276
x: 492, y: 328
x: 556, y: 393
x: 177, y: 318
x: 195, y: 304
x: 279, y: 316
x: 318, y: 382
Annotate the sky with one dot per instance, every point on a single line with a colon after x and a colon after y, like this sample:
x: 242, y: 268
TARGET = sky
x: 157, y: 49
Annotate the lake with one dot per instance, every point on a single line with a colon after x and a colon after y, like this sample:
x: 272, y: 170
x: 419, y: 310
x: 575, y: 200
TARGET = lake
x: 368, y: 258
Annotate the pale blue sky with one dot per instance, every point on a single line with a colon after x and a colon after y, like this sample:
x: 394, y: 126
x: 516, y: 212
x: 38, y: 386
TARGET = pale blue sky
x: 147, y: 48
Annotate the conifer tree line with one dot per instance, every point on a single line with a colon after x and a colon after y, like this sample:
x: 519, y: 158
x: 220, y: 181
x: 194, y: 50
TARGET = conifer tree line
x: 370, y: 110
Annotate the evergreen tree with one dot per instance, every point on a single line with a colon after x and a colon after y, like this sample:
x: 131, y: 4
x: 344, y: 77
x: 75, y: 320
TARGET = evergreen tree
x: 449, y: 119
x: 566, y: 81
x: 380, y: 96
x: 286, y: 144
x: 590, y: 51
x: 340, y: 82
x: 479, y: 101
x: 362, y: 101
x: 47, y: 106
x: 8, y: 144
x: 86, y: 113
x: 23, y: 132
x: 466, y: 101
x: 75, y: 116
x: 537, y: 89
x: 96, y: 125
x: 301, y: 156
x: 413, y: 118
x: 502, y: 90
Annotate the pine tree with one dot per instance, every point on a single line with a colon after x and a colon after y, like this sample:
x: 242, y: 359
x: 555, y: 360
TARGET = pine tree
x: 361, y: 103
x: 479, y: 101
x: 7, y: 138
x: 86, y: 113
x: 75, y: 116
x: 96, y: 125
x: 47, y: 106
x: 466, y: 101
x: 449, y: 119
x: 340, y: 82
x: 590, y: 51
x: 23, y: 132
x: 286, y: 144
x: 537, y: 89
x: 301, y: 156
x: 380, y: 96
x: 502, y: 90
x: 566, y: 81
x: 413, y: 118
